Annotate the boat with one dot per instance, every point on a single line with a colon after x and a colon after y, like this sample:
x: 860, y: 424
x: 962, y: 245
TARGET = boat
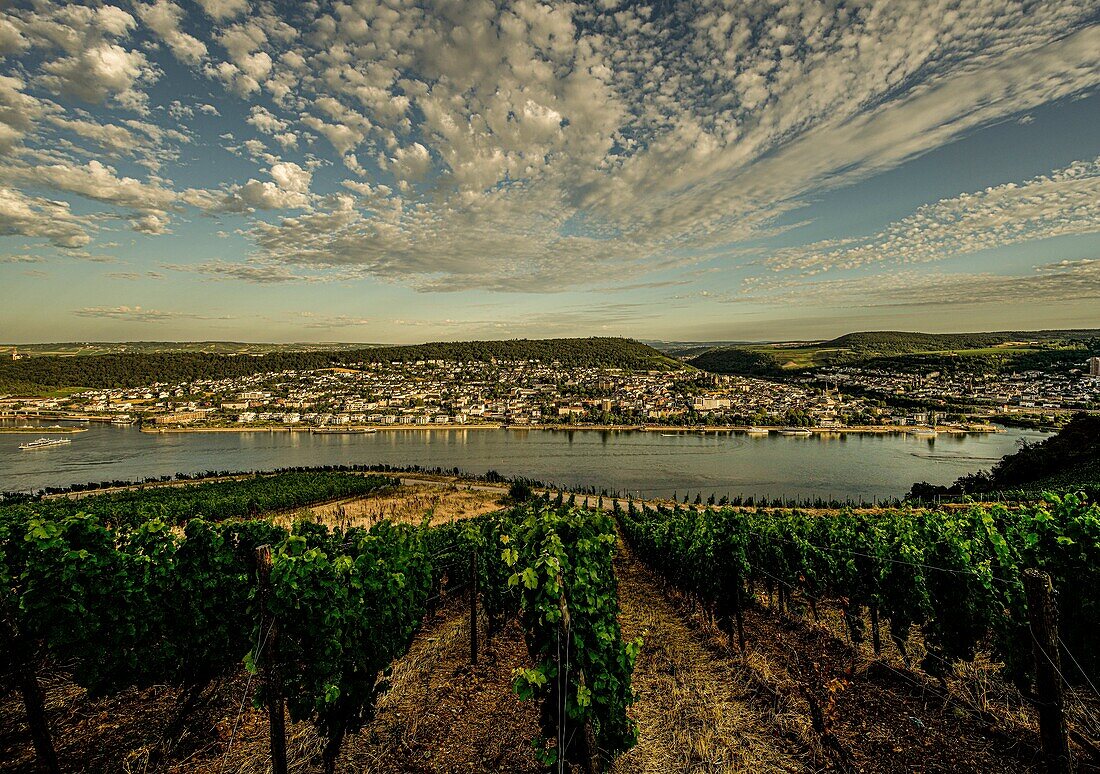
x: 123, y: 421
x: 800, y: 431
x: 923, y: 432
x: 670, y: 435
x: 45, y: 443
x: 758, y: 430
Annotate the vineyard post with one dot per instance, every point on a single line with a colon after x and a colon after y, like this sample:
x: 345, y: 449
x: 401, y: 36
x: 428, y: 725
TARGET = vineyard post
x: 473, y: 606
x: 32, y: 700
x: 586, y: 747
x: 273, y: 688
x: 1043, y: 620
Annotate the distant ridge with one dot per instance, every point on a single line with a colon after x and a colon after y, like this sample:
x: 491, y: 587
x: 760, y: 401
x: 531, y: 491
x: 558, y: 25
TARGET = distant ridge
x: 991, y: 350
x: 39, y: 374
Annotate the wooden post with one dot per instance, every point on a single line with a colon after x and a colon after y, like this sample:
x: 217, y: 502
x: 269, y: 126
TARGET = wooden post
x: 473, y: 606
x: 738, y: 612
x: 1043, y: 619
x: 23, y: 662
x: 268, y: 656
x: 876, y: 637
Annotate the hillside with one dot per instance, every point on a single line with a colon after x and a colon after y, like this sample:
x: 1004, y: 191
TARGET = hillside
x: 38, y: 374
x: 899, y: 350
x: 713, y: 651
x: 1068, y: 461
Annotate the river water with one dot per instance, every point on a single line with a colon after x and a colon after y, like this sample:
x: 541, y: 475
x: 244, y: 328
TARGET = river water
x: 645, y: 463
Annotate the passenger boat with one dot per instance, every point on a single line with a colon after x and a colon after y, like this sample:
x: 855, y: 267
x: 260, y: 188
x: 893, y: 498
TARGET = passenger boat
x: 45, y: 443
x: 923, y: 432
x: 801, y: 431
x: 758, y: 431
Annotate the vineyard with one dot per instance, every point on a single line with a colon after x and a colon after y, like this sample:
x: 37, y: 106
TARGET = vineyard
x: 317, y: 614
x: 761, y: 639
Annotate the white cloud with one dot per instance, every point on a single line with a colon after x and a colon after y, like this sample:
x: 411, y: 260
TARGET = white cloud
x: 1061, y: 281
x: 529, y: 145
x: 140, y: 314
x: 163, y: 17
x: 98, y: 72
x: 224, y: 9
x: 1063, y: 203
x: 22, y: 215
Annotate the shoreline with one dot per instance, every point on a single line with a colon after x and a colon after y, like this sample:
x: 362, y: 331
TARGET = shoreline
x: 46, y: 429
x: 665, y: 429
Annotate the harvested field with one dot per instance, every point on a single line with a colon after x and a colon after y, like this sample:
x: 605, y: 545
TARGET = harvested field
x: 408, y: 503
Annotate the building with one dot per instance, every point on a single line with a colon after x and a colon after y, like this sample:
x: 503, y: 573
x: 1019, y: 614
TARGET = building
x: 180, y: 418
x: 1094, y: 366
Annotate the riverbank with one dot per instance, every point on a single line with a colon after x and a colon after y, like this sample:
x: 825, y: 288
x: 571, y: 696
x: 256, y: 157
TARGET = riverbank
x: 39, y: 429
x: 343, y: 430
x: 665, y: 429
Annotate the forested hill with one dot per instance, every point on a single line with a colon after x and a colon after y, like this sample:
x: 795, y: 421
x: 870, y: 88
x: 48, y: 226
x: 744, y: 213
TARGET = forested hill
x: 904, y: 342
x: 904, y: 351
x: 36, y: 374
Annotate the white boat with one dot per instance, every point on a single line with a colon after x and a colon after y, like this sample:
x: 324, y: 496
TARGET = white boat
x: 795, y: 431
x: 923, y: 432
x: 758, y: 431
x: 45, y: 443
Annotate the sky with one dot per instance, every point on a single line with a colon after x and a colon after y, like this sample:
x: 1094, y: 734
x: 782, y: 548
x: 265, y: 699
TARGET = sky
x: 397, y: 172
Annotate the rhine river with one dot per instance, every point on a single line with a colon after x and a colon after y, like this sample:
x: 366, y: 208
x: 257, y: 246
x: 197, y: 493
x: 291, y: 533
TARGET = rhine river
x: 645, y: 463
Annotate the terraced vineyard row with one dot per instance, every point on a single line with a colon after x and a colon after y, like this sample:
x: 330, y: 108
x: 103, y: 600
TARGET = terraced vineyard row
x: 317, y: 613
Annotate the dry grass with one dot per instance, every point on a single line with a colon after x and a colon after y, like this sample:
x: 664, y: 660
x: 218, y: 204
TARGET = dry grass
x: 693, y: 714
x: 409, y: 503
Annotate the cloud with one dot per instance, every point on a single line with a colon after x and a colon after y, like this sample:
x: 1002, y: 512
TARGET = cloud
x: 163, y: 17
x: 529, y: 146
x: 98, y: 72
x: 140, y: 314
x: 1066, y: 202
x: 22, y: 215
x: 98, y: 181
x: 224, y: 9
x: 1057, y: 282
x: 260, y: 274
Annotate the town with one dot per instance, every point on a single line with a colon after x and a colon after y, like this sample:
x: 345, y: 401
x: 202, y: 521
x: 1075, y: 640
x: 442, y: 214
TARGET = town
x: 437, y: 393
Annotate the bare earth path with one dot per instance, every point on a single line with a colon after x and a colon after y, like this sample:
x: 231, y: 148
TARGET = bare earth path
x: 692, y: 714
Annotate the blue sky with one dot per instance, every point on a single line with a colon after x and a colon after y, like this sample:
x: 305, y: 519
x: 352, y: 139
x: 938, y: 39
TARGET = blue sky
x: 402, y: 172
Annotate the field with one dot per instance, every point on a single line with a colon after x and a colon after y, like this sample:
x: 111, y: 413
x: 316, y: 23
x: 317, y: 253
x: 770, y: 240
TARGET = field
x: 802, y: 696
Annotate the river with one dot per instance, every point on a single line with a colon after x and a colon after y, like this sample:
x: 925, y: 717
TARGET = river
x: 645, y: 463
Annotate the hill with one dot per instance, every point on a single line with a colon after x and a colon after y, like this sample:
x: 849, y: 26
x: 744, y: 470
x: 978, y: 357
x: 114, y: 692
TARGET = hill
x: 41, y: 374
x: 87, y: 348
x: 906, y: 351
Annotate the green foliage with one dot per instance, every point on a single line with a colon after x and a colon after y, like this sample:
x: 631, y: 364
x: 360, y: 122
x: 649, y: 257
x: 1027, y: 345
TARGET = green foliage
x: 346, y: 604
x: 739, y: 360
x: 561, y: 562
x: 240, y: 498
x: 1073, y: 454
x: 956, y: 574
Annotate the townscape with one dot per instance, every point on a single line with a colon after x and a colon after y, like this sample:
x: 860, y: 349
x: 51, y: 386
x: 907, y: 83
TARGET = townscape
x: 534, y: 393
